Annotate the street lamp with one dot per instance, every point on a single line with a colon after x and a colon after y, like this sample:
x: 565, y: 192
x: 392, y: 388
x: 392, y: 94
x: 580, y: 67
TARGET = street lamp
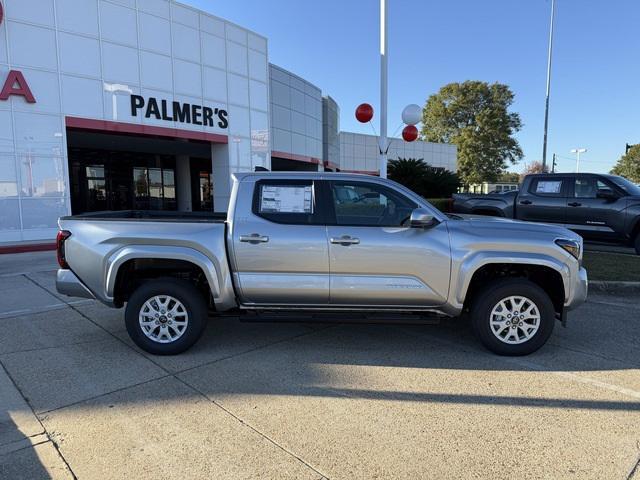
x: 546, y: 106
x: 114, y: 89
x: 578, y: 151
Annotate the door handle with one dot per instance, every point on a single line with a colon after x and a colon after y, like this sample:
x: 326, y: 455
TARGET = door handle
x: 526, y: 202
x: 574, y: 204
x: 254, y: 238
x: 345, y: 240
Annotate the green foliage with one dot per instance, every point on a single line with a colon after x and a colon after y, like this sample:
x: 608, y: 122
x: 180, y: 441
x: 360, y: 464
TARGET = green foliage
x: 629, y: 165
x: 509, y: 177
x: 422, y: 178
x: 475, y: 117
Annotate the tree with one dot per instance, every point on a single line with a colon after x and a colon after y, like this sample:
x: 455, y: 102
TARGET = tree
x: 422, y: 178
x: 475, y: 117
x: 509, y: 177
x: 534, y: 167
x: 629, y: 165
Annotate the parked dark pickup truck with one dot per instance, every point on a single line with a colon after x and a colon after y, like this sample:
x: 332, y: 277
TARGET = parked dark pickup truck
x: 598, y: 207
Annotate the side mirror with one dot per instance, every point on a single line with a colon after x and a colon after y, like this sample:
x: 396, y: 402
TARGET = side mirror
x: 606, y: 195
x: 421, y: 218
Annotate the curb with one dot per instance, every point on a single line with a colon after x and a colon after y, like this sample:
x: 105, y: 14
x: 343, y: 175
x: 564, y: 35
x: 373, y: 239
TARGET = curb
x: 615, y: 287
x: 26, y: 247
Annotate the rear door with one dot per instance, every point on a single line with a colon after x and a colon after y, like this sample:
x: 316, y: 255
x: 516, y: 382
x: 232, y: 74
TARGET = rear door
x: 376, y: 259
x: 545, y: 199
x: 280, y: 249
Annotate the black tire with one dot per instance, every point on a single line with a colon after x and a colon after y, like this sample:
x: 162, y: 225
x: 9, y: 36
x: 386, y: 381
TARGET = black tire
x: 485, y: 301
x: 636, y: 243
x: 183, y: 291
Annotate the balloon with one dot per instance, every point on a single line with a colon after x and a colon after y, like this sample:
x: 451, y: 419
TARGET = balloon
x: 409, y: 133
x: 364, y: 113
x: 412, y: 114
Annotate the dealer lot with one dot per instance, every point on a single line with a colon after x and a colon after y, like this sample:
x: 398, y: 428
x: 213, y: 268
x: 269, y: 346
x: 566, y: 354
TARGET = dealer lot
x: 294, y: 400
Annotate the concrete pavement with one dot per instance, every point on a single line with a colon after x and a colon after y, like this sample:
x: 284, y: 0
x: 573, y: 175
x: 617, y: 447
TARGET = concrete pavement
x: 290, y: 400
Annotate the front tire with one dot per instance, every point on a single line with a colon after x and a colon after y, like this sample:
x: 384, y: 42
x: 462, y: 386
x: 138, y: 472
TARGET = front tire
x: 513, y: 317
x: 166, y: 316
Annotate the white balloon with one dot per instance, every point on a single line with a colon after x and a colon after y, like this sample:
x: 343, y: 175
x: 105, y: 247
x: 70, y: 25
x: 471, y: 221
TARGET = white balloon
x: 412, y: 114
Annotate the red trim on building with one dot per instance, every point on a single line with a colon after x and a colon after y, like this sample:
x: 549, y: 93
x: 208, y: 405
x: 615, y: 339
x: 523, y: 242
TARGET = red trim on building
x: 375, y: 173
x: 298, y: 158
x: 133, y: 128
x: 34, y: 247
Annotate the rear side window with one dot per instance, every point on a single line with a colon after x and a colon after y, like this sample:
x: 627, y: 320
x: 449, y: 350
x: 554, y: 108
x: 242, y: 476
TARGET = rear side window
x: 548, y: 187
x: 287, y: 201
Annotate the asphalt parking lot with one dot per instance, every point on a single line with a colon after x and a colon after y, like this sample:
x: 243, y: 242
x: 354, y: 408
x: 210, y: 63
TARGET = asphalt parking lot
x: 293, y: 400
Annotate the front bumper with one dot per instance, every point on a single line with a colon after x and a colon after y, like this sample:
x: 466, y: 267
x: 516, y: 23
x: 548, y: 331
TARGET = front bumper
x: 579, y: 290
x: 68, y: 284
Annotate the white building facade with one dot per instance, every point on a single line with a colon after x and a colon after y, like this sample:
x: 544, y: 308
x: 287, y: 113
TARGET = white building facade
x: 151, y: 105
x: 124, y: 104
x: 359, y: 153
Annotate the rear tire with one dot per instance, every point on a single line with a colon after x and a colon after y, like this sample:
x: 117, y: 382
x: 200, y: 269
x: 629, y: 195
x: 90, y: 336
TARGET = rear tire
x: 166, y: 316
x: 512, y: 316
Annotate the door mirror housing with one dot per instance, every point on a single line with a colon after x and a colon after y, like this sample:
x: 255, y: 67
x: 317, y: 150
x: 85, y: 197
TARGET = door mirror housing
x: 421, y: 218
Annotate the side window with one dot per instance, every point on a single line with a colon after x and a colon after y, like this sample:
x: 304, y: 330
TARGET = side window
x: 285, y: 201
x: 585, y: 188
x: 369, y: 204
x: 546, y: 187
x: 604, y: 188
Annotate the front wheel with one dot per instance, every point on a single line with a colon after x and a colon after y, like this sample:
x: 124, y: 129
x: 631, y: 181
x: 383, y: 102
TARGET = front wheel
x: 513, y: 317
x: 166, y: 316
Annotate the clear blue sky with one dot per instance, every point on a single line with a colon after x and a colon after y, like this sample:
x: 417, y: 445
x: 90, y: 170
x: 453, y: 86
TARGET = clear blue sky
x: 595, y: 95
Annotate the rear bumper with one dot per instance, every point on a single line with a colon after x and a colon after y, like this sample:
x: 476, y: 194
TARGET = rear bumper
x: 579, y: 290
x: 68, y: 284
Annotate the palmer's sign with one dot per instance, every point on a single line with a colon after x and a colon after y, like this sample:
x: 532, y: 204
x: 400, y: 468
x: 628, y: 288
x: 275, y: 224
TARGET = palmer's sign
x: 179, y: 112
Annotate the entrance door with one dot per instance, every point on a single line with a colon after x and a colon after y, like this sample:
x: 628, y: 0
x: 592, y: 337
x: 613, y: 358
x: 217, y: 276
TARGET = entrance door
x: 375, y: 258
x: 201, y: 185
x: 280, y: 250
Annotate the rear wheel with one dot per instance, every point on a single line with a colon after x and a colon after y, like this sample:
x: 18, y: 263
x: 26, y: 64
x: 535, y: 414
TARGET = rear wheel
x: 513, y: 317
x: 166, y: 316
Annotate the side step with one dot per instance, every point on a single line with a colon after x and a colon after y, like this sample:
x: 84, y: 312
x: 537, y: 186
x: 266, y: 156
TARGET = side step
x: 408, y: 318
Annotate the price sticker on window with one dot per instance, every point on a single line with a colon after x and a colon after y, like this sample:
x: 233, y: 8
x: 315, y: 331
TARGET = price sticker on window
x: 286, y: 199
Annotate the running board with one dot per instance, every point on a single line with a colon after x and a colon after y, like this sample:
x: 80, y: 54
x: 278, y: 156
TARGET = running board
x: 341, y: 317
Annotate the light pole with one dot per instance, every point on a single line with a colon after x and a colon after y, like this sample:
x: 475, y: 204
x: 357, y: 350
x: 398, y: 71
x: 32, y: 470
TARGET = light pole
x: 546, y: 107
x: 383, y: 89
x: 578, y: 151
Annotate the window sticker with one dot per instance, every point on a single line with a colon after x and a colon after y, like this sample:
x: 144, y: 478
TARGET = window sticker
x: 286, y: 199
x: 553, y: 186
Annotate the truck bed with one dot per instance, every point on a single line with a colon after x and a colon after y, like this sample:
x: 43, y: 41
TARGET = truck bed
x: 151, y: 216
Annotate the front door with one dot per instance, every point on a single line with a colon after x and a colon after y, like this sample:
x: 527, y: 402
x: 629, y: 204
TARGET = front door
x: 593, y: 209
x: 376, y: 259
x: 280, y: 249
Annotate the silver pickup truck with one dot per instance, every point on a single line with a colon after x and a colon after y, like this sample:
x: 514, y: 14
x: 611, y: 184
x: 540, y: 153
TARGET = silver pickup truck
x: 320, y: 243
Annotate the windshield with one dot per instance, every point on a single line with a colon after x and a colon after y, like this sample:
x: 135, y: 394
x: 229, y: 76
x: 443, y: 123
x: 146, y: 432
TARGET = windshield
x: 626, y: 185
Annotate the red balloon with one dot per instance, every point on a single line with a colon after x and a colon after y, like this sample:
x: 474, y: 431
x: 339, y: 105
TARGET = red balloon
x: 409, y: 133
x: 364, y: 113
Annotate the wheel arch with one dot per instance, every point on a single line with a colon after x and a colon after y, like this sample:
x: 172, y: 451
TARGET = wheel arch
x: 119, y: 263
x: 549, y: 274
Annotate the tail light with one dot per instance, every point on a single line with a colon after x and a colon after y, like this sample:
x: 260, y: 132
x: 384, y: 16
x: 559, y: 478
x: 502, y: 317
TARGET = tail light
x: 60, y: 239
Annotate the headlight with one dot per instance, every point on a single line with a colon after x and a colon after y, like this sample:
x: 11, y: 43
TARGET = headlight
x: 574, y: 247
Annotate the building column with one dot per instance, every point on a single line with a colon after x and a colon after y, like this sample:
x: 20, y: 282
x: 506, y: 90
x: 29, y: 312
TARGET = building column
x: 221, y: 176
x: 183, y: 183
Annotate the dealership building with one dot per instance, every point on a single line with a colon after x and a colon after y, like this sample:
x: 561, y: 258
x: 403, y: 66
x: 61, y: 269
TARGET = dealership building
x: 151, y: 104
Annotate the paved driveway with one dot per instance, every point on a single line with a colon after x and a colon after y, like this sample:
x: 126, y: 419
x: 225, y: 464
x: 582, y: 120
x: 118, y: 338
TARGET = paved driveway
x: 293, y: 400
